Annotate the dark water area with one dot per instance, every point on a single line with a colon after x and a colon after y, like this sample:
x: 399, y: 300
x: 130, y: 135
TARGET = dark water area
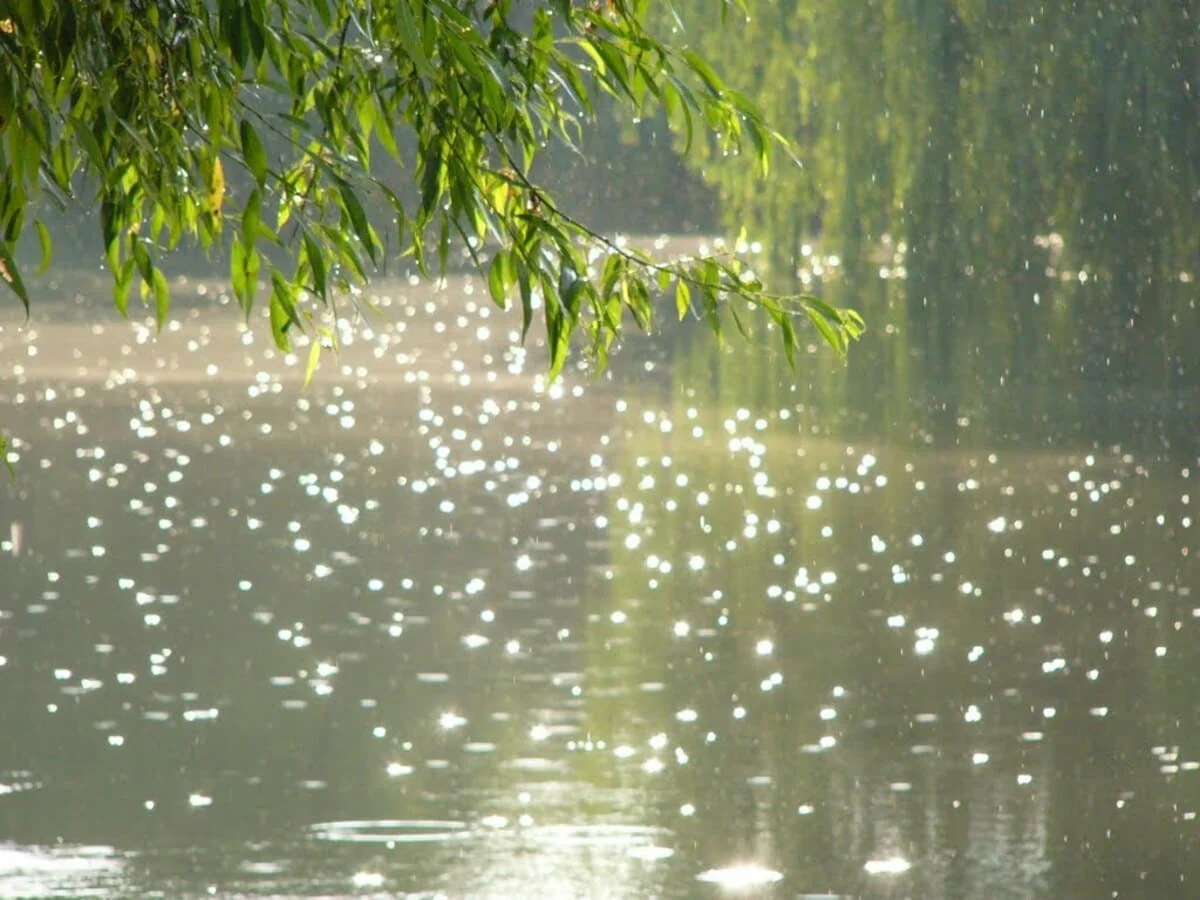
x: 922, y: 625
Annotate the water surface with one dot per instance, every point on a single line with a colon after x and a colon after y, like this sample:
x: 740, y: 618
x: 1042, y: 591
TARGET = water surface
x: 432, y: 628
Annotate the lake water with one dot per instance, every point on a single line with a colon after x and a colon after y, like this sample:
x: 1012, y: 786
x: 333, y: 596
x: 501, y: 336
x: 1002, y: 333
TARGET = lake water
x: 433, y: 629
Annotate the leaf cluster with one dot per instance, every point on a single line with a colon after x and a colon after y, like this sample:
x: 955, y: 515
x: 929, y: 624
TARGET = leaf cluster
x: 252, y: 124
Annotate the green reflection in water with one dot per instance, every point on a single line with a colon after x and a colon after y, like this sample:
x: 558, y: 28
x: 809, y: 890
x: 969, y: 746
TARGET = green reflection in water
x: 894, y: 643
x: 1025, y: 178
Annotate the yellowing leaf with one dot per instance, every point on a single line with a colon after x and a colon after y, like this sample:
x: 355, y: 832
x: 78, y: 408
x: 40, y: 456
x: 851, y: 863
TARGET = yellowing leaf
x: 314, y: 357
x: 216, y: 186
x: 683, y: 298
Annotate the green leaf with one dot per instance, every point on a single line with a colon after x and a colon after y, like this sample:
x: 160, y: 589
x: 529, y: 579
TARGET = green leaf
x: 554, y: 338
x: 342, y: 251
x: 253, y: 152
x: 237, y: 273
x: 322, y: 7
x: 431, y: 182
x: 637, y: 297
x: 462, y: 95
x: 574, y: 83
x: 683, y: 298
x: 162, y: 298
x: 615, y: 61
x: 500, y: 277
x: 387, y: 137
x: 122, y: 282
x: 283, y: 313
x: 762, y: 149
x: 827, y: 331
x: 573, y: 297
x: 846, y: 323
x: 590, y: 49
x: 358, y: 217
x: 314, y: 358
x: 216, y: 188
x: 700, y: 66
x: 232, y: 17
x: 252, y: 218
x: 11, y: 275
x: 526, y: 290
x: 316, y: 262
x: 280, y: 322
x: 737, y: 320
x: 142, y: 257
x: 82, y: 133
x: 789, y: 339
x: 47, y: 246
x: 853, y: 323
x: 109, y: 232
x: 411, y: 41
x: 255, y: 33
x: 613, y: 267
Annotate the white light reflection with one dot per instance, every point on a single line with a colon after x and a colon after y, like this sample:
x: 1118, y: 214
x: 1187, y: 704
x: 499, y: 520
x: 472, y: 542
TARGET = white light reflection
x: 569, y: 859
x: 62, y: 871
x: 743, y: 876
x: 894, y: 865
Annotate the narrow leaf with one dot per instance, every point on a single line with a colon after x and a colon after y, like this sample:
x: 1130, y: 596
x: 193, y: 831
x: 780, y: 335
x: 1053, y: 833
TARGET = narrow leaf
x: 498, y: 283
x: 252, y: 218
x: 387, y: 138
x: 283, y: 311
x: 280, y: 321
x: 526, y: 298
x: 411, y: 40
x: 700, y: 66
x: 162, y: 298
x: 122, y: 281
x: 832, y: 337
x: 216, y: 186
x: 237, y: 272
x: 142, y: 256
x: 253, y: 152
x: 47, y: 246
x: 683, y: 298
x: 11, y: 276
x: 358, y: 217
x: 316, y: 261
x: 314, y: 358
x: 789, y: 339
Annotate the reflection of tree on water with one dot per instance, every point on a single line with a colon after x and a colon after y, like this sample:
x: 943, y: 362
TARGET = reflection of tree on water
x: 15, y: 519
x: 972, y: 756
x: 1039, y: 166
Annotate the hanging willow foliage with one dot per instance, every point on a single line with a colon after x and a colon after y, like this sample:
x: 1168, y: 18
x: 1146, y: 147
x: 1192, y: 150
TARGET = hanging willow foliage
x: 252, y: 124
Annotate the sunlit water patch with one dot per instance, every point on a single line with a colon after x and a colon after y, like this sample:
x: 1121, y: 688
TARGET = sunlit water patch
x: 594, y: 637
x: 740, y: 877
x: 18, y: 782
x: 61, y: 871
